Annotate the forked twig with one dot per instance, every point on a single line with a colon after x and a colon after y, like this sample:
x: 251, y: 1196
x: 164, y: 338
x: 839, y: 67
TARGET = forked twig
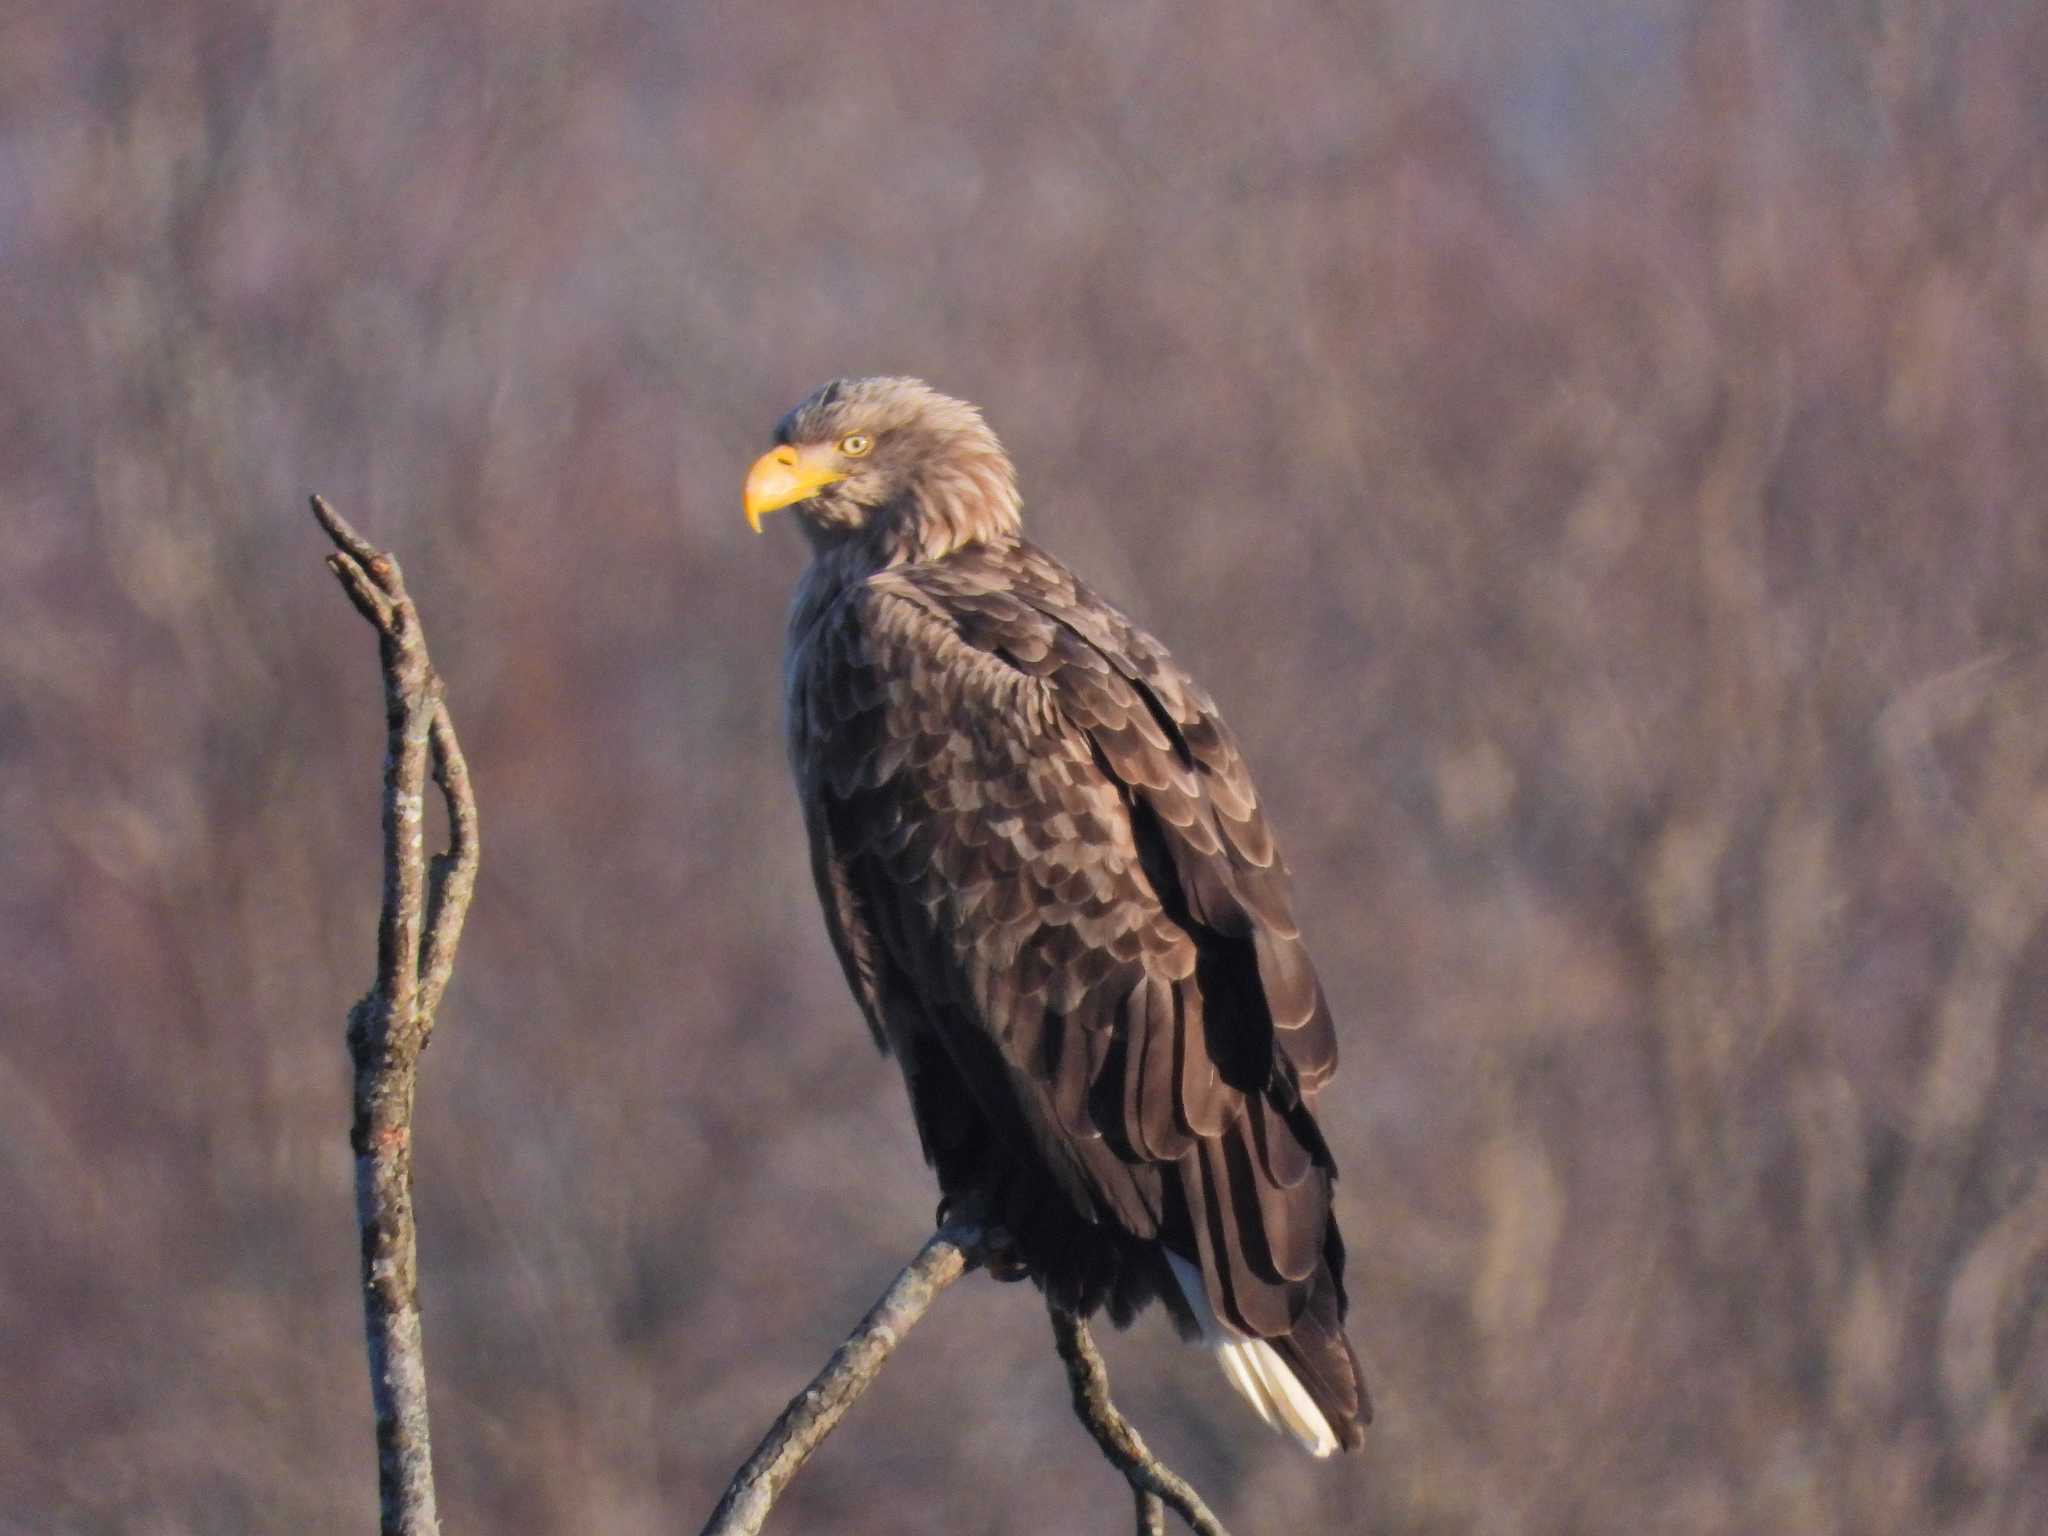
x: 813, y: 1413
x: 418, y: 929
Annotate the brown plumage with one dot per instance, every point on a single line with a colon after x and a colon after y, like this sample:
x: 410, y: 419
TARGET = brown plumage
x: 1045, y: 870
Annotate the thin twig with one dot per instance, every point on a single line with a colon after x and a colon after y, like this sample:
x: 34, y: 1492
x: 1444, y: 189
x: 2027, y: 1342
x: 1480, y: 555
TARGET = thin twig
x: 1151, y: 1480
x: 812, y: 1413
x: 451, y: 876
x: 417, y: 932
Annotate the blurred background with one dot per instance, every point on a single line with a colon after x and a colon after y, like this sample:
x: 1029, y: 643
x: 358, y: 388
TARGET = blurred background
x: 1592, y: 450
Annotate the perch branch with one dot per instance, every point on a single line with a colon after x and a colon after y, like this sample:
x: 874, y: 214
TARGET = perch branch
x: 1152, y: 1481
x: 813, y: 1413
x: 417, y: 932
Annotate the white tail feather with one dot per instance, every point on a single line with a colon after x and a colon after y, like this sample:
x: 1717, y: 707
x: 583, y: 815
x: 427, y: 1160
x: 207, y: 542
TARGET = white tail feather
x: 1259, y: 1374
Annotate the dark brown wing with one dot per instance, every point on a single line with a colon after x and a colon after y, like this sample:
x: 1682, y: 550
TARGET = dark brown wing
x: 1041, y: 857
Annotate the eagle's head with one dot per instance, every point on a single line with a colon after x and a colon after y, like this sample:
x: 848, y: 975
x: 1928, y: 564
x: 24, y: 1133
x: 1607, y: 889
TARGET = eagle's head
x: 887, y: 463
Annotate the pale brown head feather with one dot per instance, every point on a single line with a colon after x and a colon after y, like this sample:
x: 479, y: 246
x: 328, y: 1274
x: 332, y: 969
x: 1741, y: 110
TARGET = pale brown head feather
x: 935, y: 481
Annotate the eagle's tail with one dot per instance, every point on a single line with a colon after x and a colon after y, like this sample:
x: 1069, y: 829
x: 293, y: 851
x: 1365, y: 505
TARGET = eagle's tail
x: 1289, y: 1386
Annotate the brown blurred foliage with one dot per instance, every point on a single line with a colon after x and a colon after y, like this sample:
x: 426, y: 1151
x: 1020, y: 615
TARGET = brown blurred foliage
x: 1593, y: 451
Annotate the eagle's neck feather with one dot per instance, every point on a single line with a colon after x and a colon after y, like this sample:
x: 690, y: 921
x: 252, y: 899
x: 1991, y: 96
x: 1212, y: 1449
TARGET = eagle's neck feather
x: 968, y: 498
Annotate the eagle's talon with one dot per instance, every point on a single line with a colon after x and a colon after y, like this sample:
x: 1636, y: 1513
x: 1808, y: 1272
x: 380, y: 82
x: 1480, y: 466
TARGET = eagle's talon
x: 1001, y: 1259
x: 997, y: 1249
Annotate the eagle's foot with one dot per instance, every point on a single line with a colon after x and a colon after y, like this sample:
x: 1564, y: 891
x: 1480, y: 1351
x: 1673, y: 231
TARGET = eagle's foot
x: 1002, y: 1263
x: 998, y: 1252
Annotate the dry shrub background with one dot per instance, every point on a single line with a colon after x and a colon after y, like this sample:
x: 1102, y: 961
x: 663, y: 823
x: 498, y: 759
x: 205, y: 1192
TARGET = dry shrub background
x: 1594, y: 451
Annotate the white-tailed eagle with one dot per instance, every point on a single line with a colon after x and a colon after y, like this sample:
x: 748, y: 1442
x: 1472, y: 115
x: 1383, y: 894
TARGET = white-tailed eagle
x: 1045, y: 870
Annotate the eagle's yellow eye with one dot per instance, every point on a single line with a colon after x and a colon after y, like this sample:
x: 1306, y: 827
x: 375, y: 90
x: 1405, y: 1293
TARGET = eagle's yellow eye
x: 856, y: 445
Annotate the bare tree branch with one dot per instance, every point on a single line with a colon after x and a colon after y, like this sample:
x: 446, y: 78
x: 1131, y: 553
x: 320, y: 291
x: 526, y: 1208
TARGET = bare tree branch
x: 451, y: 876
x: 813, y: 1413
x: 417, y: 933
x: 1151, y: 1480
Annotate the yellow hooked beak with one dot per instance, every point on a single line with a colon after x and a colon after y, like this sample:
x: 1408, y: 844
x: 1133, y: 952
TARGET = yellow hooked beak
x: 784, y: 475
